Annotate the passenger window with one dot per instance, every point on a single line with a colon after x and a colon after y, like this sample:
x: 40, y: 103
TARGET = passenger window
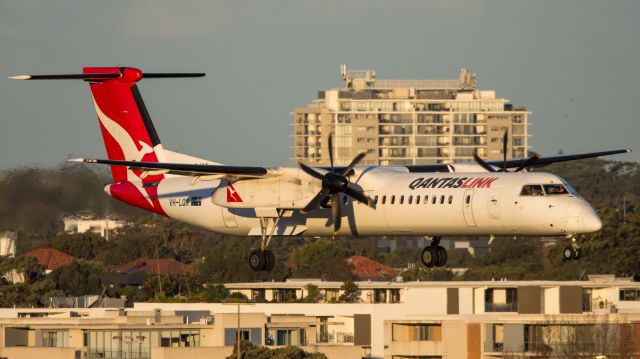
x: 553, y: 189
x: 467, y: 199
x: 418, y: 199
x: 375, y: 200
x: 532, y: 190
x: 442, y: 199
x: 434, y: 199
x: 384, y: 199
x: 393, y: 199
x: 402, y: 199
x: 450, y: 199
x: 410, y: 199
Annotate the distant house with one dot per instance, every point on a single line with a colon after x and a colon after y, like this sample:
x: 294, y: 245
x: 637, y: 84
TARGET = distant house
x: 83, y: 224
x: 51, y: 258
x: 135, y: 272
x: 163, y: 266
x: 366, y: 268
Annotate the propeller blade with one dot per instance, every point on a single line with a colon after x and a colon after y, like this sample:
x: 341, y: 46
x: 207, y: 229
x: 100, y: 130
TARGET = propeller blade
x: 482, y: 163
x: 331, y: 150
x: 336, y: 214
x: 504, y: 151
x: 359, y: 196
x: 310, y: 171
x: 315, y: 202
x: 528, y: 162
x: 353, y: 163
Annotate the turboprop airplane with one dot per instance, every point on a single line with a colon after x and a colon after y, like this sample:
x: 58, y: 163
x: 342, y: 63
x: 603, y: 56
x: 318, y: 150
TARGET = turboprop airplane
x: 486, y: 198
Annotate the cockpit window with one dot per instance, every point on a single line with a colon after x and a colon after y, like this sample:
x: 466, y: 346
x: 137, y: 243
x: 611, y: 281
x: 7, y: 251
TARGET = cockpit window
x: 532, y: 190
x: 553, y: 189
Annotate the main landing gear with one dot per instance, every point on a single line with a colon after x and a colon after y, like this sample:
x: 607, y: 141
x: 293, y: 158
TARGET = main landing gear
x: 573, y: 251
x: 434, y: 255
x: 263, y: 259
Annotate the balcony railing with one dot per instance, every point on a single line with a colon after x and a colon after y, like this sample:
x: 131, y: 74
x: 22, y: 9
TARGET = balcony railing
x: 501, y: 307
x: 116, y: 354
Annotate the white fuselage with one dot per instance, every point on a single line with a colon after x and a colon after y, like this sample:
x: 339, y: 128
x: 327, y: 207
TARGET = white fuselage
x: 425, y: 204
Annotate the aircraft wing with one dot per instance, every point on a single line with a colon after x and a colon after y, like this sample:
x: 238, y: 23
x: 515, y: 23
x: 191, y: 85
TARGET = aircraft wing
x: 185, y: 169
x: 516, y: 162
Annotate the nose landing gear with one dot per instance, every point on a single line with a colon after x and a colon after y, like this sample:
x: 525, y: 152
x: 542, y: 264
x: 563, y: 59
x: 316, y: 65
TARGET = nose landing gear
x: 434, y: 255
x: 573, y: 251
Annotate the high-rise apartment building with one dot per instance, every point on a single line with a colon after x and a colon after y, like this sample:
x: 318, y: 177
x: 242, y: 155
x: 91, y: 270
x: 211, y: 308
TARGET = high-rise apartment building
x: 408, y: 122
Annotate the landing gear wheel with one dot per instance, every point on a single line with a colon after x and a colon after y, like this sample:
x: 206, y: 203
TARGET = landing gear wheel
x: 257, y: 260
x: 577, y: 253
x: 442, y: 256
x: 270, y: 259
x: 429, y: 257
x: 567, y: 253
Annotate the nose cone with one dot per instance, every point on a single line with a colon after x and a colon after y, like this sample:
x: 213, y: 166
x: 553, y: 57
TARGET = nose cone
x: 590, y: 222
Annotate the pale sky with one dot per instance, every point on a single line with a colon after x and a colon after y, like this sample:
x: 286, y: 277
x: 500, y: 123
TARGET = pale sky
x: 574, y: 64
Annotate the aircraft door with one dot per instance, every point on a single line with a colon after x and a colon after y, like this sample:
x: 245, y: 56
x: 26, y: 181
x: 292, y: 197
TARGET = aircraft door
x: 467, y: 208
x: 493, y: 206
x: 228, y: 218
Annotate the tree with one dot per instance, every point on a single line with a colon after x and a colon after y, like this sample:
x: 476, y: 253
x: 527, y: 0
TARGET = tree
x: 313, y: 294
x: 248, y: 350
x: 216, y: 293
x: 323, y: 258
x: 350, y: 292
x: 79, y: 278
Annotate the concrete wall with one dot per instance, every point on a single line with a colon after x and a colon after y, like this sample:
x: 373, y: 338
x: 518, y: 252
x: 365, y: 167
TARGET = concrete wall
x: 30, y: 353
x: 191, y: 353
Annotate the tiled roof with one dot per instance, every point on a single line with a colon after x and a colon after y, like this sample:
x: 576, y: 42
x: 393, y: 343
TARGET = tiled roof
x: 366, y: 268
x: 51, y: 258
x: 165, y: 266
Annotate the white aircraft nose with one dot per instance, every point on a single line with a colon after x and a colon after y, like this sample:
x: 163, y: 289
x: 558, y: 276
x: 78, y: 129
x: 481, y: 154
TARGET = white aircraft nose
x: 590, y: 222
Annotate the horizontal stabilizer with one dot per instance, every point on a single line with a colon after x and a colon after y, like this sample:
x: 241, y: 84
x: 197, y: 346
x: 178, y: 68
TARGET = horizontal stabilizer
x: 185, y: 169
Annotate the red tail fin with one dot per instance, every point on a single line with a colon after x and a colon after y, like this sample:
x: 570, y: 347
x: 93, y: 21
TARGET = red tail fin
x: 127, y: 129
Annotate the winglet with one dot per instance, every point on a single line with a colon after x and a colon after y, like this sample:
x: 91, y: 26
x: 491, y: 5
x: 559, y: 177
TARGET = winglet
x: 20, y: 77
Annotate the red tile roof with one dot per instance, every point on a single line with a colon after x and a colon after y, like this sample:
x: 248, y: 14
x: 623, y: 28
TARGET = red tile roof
x: 51, y: 258
x: 167, y: 266
x: 366, y: 268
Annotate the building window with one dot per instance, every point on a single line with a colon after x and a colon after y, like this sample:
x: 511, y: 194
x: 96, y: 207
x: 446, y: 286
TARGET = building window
x: 394, y: 295
x: 587, y: 297
x: 501, y: 300
x: 380, y: 296
x: 629, y: 294
x: 331, y: 295
x: 50, y: 339
x: 416, y: 332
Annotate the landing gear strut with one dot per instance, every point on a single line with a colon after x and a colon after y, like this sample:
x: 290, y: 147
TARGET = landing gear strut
x: 263, y: 259
x: 434, y: 255
x: 573, y: 251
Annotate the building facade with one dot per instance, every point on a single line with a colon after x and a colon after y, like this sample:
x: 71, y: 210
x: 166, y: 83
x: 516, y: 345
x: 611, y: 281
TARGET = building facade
x: 408, y: 122
x: 392, y: 320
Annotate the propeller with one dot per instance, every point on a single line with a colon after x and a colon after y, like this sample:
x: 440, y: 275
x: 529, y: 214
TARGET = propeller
x: 524, y: 164
x: 333, y: 183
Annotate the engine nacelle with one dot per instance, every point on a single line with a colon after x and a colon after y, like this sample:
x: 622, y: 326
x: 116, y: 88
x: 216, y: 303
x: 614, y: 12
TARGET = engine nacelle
x: 286, y: 193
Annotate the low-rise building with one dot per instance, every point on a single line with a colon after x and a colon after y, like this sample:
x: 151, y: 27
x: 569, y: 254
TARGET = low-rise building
x: 482, y: 319
x: 101, y: 226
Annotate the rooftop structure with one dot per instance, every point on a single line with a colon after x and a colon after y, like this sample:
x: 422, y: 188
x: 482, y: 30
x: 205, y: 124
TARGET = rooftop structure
x: 408, y: 122
x: 51, y: 258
